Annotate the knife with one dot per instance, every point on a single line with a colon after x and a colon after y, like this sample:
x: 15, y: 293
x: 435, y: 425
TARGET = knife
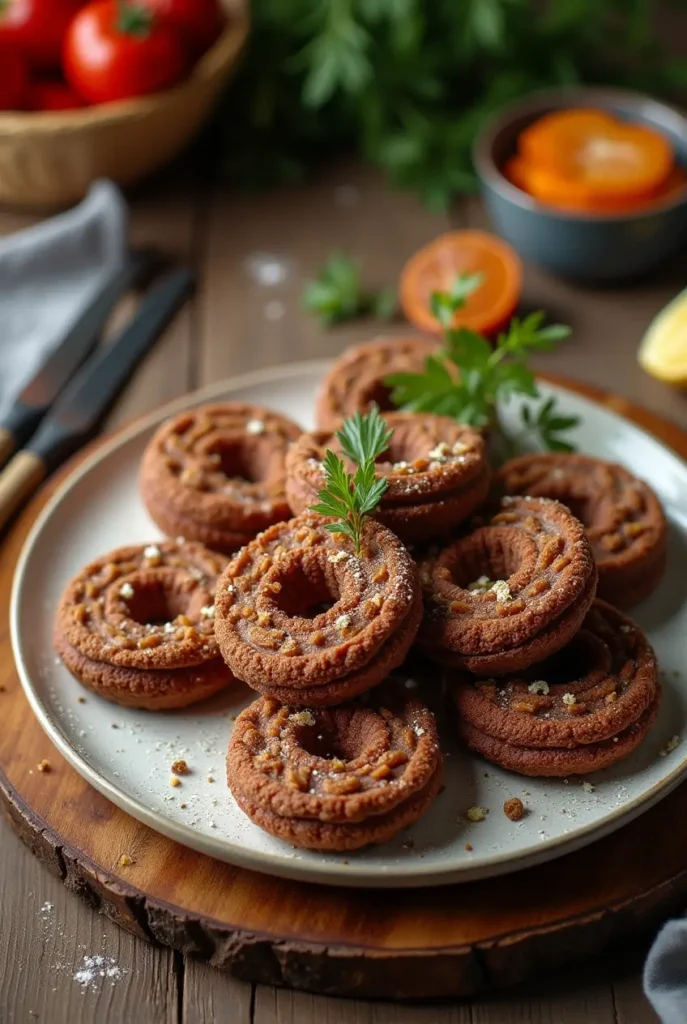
x: 76, y: 344
x: 83, y: 404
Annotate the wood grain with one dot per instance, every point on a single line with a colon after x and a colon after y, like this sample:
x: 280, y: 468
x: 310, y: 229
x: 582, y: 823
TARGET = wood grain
x: 279, y: 1006
x: 45, y: 945
x: 447, y: 941
x: 245, y: 325
x: 213, y: 998
x: 177, y: 232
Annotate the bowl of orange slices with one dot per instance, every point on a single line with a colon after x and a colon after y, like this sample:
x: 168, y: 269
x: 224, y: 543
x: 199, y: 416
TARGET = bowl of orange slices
x: 588, y: 182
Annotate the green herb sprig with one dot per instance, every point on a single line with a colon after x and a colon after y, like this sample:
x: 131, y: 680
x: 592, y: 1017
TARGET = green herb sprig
x: 470, y: 379
x: 407, y: 84
x: 337, y: 294
x: 350, y: 498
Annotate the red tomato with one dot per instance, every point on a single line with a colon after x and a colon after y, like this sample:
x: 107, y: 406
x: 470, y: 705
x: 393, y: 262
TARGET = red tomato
x: 116, y: 50
x: 14, y: 80
x: 36, y: 28
x: 199, y: 22
x: 47, y: 95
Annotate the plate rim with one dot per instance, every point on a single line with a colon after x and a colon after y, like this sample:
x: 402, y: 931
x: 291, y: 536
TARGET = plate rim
x: 400, y: 875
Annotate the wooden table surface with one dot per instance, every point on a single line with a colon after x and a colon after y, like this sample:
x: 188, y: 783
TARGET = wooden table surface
x: 236, y: 324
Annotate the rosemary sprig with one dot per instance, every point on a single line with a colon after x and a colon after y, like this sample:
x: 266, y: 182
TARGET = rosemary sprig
x: 350, y: 498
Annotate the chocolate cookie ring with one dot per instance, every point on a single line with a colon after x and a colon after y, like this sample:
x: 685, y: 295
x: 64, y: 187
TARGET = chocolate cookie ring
x: 136, y: 626
x: 216, y: 473
x: 510, y: 593
x: 585, y: 708
x: 301, y: 618
x: 335, y: 779
x: 356, y: 379
x: 436, y: 469
x: 625, y: 524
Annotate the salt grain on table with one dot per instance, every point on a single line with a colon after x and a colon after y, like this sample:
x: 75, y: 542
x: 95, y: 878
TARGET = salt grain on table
x: 95, y: 968
x: 267, y: 270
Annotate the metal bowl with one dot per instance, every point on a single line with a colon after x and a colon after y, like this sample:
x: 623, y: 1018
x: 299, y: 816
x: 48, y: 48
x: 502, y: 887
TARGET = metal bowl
x: 586, y: 246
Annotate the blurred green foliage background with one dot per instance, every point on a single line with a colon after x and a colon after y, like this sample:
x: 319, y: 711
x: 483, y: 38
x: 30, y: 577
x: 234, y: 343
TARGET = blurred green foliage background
x: 408, y: 83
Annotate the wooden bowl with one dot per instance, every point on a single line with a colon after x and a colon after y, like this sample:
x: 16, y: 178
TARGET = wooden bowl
x: 50, y: 159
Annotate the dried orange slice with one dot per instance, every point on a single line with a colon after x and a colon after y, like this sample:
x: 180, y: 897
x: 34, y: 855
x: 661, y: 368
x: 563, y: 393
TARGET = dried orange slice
x: 540, y: 183
x: 593, y: 150
x: 515, y: 170
x: 436, y: 266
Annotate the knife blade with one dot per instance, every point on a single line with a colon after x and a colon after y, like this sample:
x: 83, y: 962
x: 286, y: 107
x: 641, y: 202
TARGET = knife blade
x: 83, y: 404
x: 76, y: 345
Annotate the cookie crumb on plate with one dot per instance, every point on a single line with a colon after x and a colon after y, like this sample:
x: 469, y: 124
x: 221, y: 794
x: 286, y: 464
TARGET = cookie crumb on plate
x: 514, y: 808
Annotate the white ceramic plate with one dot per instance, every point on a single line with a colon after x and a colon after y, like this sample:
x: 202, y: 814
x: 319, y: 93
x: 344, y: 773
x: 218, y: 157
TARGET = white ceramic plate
x: 126, y: 754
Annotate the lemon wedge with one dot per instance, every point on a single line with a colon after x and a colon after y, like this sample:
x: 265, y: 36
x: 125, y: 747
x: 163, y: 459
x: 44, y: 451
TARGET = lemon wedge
x: 663, y: 351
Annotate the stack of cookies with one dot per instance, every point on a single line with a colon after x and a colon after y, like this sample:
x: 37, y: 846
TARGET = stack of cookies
x: 544, y: 679
x: 495, y: 579
x: 136, y: 626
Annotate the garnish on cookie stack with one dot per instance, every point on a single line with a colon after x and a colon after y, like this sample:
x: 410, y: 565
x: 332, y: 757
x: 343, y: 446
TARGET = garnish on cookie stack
x: 349, y: 499
x: 471, y: 380
x: 428, y: 473
x: 323, y: 607
x: 314, y: 612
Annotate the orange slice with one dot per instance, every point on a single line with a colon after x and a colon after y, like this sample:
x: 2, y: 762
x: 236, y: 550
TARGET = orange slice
x: 546, y: 187
x: 597, y: 152
x: 436, y: 266
x: 515, y: 170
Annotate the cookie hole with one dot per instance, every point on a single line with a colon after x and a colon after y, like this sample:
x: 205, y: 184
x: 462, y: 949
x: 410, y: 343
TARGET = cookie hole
x: 320, y: 742
x: 154, y: 604
x: 236, y: 463
x: 307, y: 591
x: 339, y: 734
x: 586, y: 654
x: 396, y: 452
x: 378, y: 393
x: 489, y: 554
x: 581, y: 508
x: 402, y: 448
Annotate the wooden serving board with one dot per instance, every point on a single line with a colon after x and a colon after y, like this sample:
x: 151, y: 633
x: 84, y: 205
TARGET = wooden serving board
x: 448, y: 941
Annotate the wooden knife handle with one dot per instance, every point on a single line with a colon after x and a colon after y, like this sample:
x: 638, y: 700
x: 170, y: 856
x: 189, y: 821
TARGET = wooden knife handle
x: 18, y: 480
x: 7, y: 445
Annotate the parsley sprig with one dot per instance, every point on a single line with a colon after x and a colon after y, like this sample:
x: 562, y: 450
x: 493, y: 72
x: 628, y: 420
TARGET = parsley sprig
x: 470, y: 379
x: 350, y: 498
x: 338, y: 295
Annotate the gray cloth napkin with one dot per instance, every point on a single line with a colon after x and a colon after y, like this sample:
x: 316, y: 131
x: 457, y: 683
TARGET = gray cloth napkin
x: 48, y: 274
x: 665, y: 973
